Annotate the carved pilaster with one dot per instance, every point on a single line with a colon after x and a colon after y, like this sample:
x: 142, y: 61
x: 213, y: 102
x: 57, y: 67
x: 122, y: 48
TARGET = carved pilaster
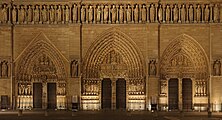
x: 140, y: 13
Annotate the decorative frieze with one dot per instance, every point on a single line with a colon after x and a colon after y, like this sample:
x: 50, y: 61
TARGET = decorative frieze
x: 110, y: 13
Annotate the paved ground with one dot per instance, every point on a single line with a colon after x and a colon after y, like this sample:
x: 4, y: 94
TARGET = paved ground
x: 107, y: 115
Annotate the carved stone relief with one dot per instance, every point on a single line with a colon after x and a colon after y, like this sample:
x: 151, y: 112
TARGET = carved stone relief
x: 163, y: 88
x: 90, y: 87
x: 200, y: 88
x: 136, y: 87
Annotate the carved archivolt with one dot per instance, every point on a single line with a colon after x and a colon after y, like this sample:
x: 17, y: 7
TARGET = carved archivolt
x: 68, y: 12
x: 40, y: 61
x: 113, y: 55
x: 184, y: 58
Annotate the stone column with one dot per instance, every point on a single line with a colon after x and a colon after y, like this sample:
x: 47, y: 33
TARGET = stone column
x: 156, y: 12
x: 79, y: 12
x: 195, y: 13
x: 113, y: 107
x: 117, y: 13
x: 125, y: 8
x: 202, y: 13
x: 179, y: 10
x: 187, y: 13
x: 94, y: 13
x: 63, y: 14
x: 44, y: 95
x: 180, y: 96
x: 171, y: 13
x: 211, y: 13
x: 109, y: 12
x: 87, y: 13
x: 164, y: 13
x: 102, y: 14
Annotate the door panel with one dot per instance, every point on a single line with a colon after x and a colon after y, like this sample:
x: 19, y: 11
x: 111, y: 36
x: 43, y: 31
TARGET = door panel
x: 173, y: 94
x: 187, y: 94
x: 51, y: 90
x: 106, y: 94
x: 37, y: 95
x: 121, y: 94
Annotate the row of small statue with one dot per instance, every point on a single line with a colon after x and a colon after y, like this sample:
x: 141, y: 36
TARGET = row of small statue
x: 24, y: 89
x: 128, y: 13
x: 201, y: 88
x: 4, y: 69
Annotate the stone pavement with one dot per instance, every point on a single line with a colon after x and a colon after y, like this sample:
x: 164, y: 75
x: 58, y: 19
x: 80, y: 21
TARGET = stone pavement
x: 107, y: 115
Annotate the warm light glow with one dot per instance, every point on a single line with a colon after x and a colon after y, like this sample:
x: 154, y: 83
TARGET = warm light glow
x: 61, y: 102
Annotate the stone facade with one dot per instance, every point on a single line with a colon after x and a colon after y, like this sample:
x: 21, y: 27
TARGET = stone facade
x: 79, y: 44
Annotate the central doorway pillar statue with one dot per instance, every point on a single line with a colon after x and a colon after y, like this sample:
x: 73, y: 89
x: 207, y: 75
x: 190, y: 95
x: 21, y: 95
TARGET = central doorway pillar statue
x: 113, y: 107
x: 180, y: 94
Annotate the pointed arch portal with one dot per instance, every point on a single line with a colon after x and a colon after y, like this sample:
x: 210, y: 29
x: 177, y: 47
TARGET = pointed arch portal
x: 185, y: 62
x: 113, y: 55
x: 40, y: 76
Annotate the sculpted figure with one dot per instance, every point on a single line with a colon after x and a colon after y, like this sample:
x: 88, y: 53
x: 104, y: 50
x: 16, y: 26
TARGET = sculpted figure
x: 191, y: 13
x: 66, y: 13
x: 183, y: 13
x: 29, y: 14
x: 74, y: 68
x: 106, y: 13
x: 206, y: 13
x: 152, y: 13
x: 167, y: 13
x: 14, y: 14
x: 5, y: 13
x: 114, y: 11
x: 59, y: 14
x: 98, y: 14
x: 36, y: 14
x: 5, y: 69
x: 44, y: 14
x: 216, y: 13
x: 52, y: 13
x: 90, y: 11
x: 121, y: 13
x: 160, y: 13
x: 198, y: 13
x: 22, y: 15
x: 143, y: 13
x: 83, y: 14
x: 175, y: 13
x: 74, y: 13
x: 152, y: 67
x: 128, y: 12
x: 136, y: 14
x: 217, y: 68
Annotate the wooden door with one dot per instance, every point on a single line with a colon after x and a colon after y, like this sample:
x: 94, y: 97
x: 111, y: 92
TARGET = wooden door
x: 106, y: 93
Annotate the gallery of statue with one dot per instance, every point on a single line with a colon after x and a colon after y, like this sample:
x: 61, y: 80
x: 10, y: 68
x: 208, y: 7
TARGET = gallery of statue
x: 111, y: 54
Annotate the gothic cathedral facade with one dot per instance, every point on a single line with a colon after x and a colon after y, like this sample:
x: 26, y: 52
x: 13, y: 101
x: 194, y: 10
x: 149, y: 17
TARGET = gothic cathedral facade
x: 111, y: 54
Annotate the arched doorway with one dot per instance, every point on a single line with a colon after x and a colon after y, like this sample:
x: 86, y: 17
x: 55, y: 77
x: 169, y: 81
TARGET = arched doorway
x: 185, y: 60
x: 40, y: 76
x: 113, y: 55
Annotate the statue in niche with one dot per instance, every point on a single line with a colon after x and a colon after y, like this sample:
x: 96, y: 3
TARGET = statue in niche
x: 121, y: 14
x: 106, y: 13
x: 191, y: 13
x: 66, y: 13
x: 44, y: 14
x: 59, y: 14
x: 74, y: 13
x: 114, y: 12
x: 163, y: 88
x: 22, y: 15
x: 98, y: 14
x: 5, y: 13
x: 36, y: 13
x: 74, y: 68
x: 128, y: 13
x: 83, y: 14
x: 216, y: 13
x: 160, y: 13
x: 152, y: 13
x: 90, y: 11
x: 152, y: 67
x: 200, y: 88
x: 136, y: 14
x: 198, y: 13
x: 217, y: 68
x: 197, y: 88
x: 175, y: 13
x: 143, y: 13
x: 183, y: 13
x: 5, y: 69
x: 167, y: 13
x: 52, y: 13
x: 206, y: 13
x: 29, y: 14
x: 14, y: 14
